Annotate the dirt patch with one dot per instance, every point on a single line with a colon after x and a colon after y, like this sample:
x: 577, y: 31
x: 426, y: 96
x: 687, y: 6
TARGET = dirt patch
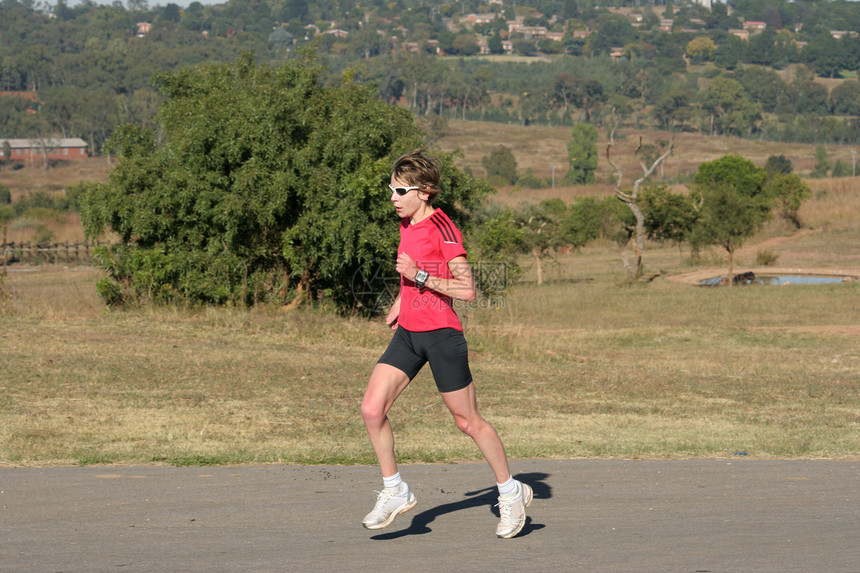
x: 776, y: 241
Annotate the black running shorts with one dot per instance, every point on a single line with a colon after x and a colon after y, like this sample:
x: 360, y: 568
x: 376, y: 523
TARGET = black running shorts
x: 445, y: 349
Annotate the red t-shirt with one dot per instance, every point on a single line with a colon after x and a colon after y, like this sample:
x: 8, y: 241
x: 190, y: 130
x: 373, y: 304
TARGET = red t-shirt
x: 431, y: 243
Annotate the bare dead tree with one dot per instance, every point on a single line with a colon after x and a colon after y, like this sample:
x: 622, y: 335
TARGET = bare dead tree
x: 46, y: 146
x: 631, y: 199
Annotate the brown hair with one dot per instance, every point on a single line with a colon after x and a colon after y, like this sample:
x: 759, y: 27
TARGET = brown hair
x: 417, y: 168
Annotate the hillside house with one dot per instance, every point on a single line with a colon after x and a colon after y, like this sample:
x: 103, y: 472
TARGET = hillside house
x: 514, y: 24
x: 530, y: 32
x: 337, y: 32
x: 32, y: 149
x: 483, y: 45
x: 143, y: 28
x: 754, y: 26
x: 471, y: 20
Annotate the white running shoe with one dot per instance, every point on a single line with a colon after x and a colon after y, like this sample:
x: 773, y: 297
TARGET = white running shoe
x: 388, y: 506
x: 513, y: 511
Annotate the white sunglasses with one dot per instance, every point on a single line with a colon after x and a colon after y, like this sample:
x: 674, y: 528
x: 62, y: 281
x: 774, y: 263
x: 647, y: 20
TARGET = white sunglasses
x: 403, y: 190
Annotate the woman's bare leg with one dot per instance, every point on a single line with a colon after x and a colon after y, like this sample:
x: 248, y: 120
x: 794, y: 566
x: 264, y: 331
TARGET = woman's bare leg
x: 463, y: 406
x: 385, y: 385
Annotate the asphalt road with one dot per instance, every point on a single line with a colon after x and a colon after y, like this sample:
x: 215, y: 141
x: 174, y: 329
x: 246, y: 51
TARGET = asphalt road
x: 693, y: 516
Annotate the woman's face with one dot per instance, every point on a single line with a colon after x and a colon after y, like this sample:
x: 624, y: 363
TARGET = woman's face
x: 413, y: 202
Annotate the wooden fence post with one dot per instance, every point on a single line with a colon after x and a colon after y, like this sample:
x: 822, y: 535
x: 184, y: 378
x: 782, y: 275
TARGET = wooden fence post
x: 29, y: 252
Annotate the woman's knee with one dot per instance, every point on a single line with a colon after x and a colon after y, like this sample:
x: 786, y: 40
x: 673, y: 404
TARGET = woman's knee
x: 470, y: 426
x: 372, y: 411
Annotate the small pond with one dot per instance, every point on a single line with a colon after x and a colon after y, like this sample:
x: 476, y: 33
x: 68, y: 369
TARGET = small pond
x: 778, y: 280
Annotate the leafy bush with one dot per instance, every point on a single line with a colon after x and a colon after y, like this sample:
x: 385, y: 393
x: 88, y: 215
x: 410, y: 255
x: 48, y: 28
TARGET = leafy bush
x: 72, y: 197
x: 778, y: 164
x: 42, y: 214
x: 42, y: 205
x: 7, y: 213
x: 582, y: 155
x: 36, y: 200
x: 501, y: 165
x: 822, y: 164
x: 497, y: 181
x: 531, y: 181
x: 668, y: 216
x: 766, y: 258
x: 494, y: 244
x: 840, y: 169
x: 789, y: 191
x: 261, y: 185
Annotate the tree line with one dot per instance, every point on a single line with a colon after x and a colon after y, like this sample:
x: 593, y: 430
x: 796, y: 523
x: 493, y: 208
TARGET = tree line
x: 92, y: 69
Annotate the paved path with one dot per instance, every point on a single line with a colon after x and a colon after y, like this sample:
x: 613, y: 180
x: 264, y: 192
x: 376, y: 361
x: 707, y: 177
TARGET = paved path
x: 588, y: 515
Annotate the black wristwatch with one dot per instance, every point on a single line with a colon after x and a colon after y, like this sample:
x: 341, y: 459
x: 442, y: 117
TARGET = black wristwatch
x: 421, y: 277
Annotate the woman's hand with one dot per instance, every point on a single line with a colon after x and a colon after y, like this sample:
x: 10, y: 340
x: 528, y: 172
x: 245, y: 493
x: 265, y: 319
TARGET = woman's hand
x: 406, y: 266
x: 393, y: 314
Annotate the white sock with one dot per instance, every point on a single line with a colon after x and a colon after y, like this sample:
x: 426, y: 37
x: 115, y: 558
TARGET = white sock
x: 508, y: 488
x: 392, y: 483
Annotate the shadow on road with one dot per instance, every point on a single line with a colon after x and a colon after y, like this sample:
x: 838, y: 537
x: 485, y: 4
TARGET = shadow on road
x: 483, y: 497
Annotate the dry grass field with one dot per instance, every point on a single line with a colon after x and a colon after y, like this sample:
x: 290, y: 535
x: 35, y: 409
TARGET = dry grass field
x: 581, y: 366
x: 32, y: 178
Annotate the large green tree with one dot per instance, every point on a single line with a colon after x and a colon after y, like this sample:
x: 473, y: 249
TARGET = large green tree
x: 668, y: 216
x: 845, y: 98
x: 729, y: 110
x: 501, y: 166
x: 582, y: 155
x: 789, y: 191
x: 732, y: 201
x: 542, y: 233
x: 261, y: 184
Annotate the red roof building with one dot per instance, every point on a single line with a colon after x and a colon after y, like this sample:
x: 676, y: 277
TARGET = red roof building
x: 55, y: 148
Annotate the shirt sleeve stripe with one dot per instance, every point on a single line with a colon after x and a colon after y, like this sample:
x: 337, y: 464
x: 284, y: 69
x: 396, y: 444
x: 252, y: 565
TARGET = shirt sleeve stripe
x: 445, y: 228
